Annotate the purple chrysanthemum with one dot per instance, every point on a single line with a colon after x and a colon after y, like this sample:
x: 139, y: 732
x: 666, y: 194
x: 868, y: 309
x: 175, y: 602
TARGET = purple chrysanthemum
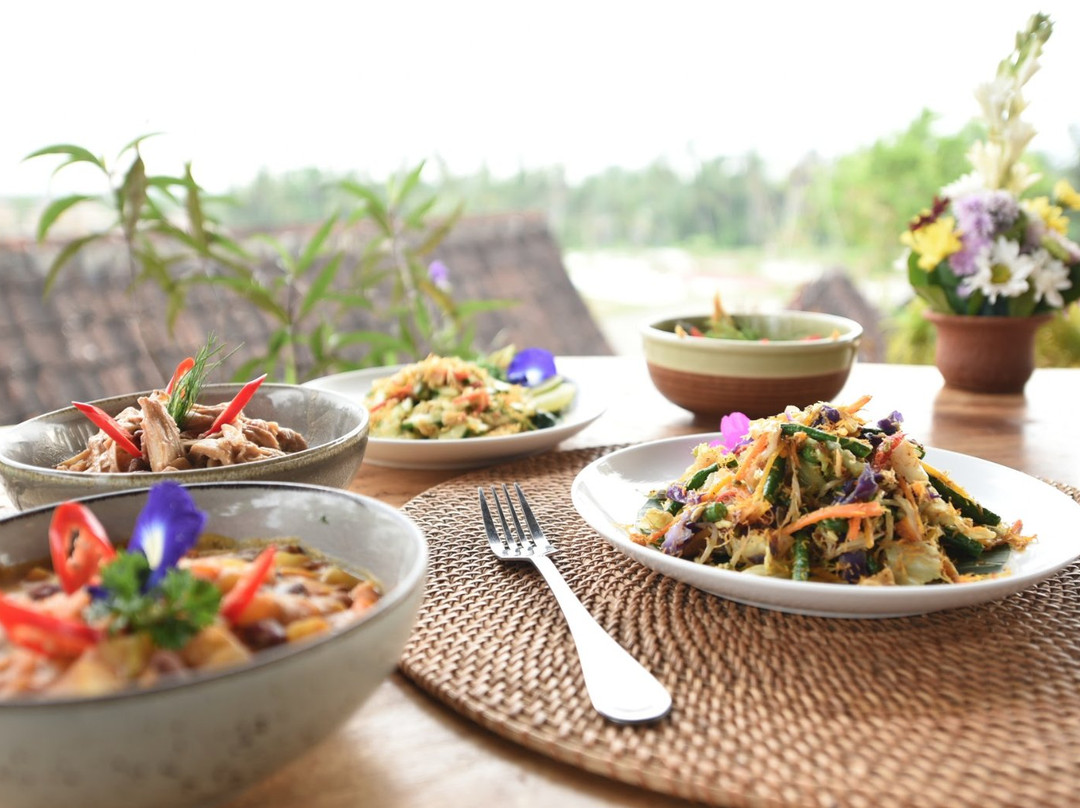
x: 980, y: 218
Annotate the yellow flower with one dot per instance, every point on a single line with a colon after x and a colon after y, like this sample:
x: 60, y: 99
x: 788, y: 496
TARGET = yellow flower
x: 1066, y: 194
x: 934, y: 242
x: 1052, y: 215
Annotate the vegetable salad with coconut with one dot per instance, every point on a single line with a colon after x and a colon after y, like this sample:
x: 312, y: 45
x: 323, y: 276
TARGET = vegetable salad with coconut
x: 446, y: 397
x: 820, y: 495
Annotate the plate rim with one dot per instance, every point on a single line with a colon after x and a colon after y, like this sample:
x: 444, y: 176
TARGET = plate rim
x: 799, y: 596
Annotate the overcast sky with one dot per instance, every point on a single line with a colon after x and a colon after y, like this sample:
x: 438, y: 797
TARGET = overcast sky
x: 240, y: 86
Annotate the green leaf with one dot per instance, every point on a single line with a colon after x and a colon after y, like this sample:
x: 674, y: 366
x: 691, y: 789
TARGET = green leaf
x: 322, y: 282
x: 376, y: 208
x: 55, y: 209
x: 311, y: 251
x: 193, y: 206
x: 468, y: 307
x: 439, y: 233
x: 134, y: 144
x: 133, y: 196
x: 75, y: 154
x: 65, y: 255
x: 415, y: 218
x: 407, y: 185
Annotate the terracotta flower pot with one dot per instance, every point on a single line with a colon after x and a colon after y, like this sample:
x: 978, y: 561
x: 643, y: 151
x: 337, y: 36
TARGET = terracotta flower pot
x: 986, y: 354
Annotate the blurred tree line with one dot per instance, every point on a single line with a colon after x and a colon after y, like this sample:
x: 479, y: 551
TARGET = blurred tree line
x: 849, y: 210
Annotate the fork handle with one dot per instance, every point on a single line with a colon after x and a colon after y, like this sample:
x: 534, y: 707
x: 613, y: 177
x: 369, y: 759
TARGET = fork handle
x: 619, y: 687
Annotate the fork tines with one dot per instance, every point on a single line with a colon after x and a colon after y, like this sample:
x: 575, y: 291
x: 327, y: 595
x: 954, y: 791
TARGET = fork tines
x: 516, y: 541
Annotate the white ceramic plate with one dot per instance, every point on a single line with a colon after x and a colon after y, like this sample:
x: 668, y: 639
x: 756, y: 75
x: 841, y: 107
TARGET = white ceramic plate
x: 609, y: 492
x: 466, y: 453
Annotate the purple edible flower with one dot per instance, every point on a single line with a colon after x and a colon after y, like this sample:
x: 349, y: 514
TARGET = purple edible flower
x: 677, y: 493
x: 167, y: 527
x: 735, y: 430
x: 676, y: 537
x: 530, y: 367
x: 439, y: 274
x: 864, y: 488
x: 891, y: 425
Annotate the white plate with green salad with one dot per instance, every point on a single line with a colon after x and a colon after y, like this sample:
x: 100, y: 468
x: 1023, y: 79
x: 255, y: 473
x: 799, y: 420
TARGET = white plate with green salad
x: 550, y: 411
x: 611, y: 494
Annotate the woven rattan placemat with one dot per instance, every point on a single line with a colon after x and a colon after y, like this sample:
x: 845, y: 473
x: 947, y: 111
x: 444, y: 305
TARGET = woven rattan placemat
x: 972, y: 707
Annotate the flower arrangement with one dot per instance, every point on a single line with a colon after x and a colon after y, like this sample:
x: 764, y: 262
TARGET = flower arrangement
x: 983, y: 248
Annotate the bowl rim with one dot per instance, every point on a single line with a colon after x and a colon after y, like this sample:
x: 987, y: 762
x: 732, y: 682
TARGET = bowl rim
x: 358, y: 431
x: 853, y: 330
x: 390, y: 601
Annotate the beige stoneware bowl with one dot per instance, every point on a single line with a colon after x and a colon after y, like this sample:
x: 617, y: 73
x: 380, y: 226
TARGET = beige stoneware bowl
x: 335, y: 428
x: 806, y: 357
x: 203, y: 740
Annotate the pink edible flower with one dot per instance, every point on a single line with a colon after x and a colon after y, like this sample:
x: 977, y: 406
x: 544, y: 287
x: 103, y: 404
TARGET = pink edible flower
x: 734, y: 429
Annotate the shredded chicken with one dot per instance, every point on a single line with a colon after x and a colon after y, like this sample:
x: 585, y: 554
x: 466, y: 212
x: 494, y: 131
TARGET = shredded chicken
x: 166, y: 447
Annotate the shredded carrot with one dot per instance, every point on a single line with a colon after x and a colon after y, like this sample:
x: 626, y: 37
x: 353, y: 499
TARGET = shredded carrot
x: 856, y: 405
x: 718, y: 486
x: 916, y: 520
x: 759, y: 492
x: 751, y: 455
x: 849, y: 510
x: 854, y: 528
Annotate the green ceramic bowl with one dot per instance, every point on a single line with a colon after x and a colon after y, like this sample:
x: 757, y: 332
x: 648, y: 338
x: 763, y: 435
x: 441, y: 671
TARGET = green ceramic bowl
x: 802, y: 358
x: 335, y: 428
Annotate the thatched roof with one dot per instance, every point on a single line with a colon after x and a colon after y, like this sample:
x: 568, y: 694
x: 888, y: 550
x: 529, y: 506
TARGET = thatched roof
x: 92, y: 337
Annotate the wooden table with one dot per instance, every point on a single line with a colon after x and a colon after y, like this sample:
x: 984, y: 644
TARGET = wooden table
x: 402, y: 748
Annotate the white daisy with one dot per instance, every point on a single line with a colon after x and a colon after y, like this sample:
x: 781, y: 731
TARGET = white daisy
x: 1000, y: 272
x: 1049, y: 279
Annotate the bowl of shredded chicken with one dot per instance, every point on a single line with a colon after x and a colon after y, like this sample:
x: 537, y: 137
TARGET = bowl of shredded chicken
x: 280, y: 432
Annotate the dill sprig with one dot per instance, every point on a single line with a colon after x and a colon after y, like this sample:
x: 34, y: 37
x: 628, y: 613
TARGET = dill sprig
x: 186, y: 391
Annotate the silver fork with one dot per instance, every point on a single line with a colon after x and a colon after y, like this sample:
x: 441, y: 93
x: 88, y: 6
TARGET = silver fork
x: 618, y: 686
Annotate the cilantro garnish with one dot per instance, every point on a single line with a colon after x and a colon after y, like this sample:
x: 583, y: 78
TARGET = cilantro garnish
x: 172, y: 612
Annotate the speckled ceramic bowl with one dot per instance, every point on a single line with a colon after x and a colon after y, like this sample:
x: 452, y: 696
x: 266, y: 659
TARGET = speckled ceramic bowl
x: 335, y: 428
x: 806, y: 357
x: 204, y: 740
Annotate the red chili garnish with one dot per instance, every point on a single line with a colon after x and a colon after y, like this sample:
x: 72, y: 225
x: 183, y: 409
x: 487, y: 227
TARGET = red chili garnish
x: 43, y: 633
x: 238, y: 598
x: 237, y: 404
x: 78, y: 544
x: 105, y: 421
x: 179, y: 373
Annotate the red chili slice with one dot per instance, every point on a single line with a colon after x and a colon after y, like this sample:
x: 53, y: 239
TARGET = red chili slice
x: 43, y: 633
x: 105, y: 421
x: 238, y: 598
x: 78, y: 544
x: 238, y: 403
x: 179, y: 373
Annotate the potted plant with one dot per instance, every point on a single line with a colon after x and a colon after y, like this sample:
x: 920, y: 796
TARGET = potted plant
x: 993, y: 264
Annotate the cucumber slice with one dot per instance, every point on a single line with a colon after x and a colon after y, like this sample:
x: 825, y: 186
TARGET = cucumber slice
x: 557, y: 399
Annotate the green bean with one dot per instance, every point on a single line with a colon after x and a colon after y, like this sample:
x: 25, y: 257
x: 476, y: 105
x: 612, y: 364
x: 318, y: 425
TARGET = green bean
x: 699, y: 479
x: 800, y: 550
x: 969, y: 508
x: 857, y: 448
x: 775, y: 479
x: 958, y: 543
x: 714, y: 512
